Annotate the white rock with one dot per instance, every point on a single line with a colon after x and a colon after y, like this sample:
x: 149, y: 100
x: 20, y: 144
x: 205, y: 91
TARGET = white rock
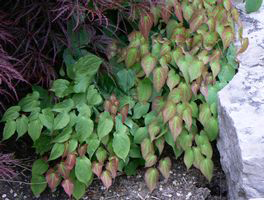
x: 241, y: 116
x: 4, y: 195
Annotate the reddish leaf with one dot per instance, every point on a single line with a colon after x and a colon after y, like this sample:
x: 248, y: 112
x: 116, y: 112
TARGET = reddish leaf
x: 146, y: 23
x: 227, y: 36
x: 166, y: 12
x: 70, y: 161
x: 164, y: 167
x: 175, y: 125
x: 169, y: 111
x: 227, y: 4
x: 124, y: 112
x: 187, y: 117
x: 63, y: 170
x: 195, y: 69
x: 196, y: 21
x: 159, y: 78
x: 107, y: 106
x: 158, y: 104
x: 82, y: 150
x: 173, y: 79
x: 244, y: 46
x: 151, y: 160
x: 146, y: 147
x: 156, y: 12
x: 106, y: 179
x: 113, y: 109
x: 160, y: 143
x: 97, y: 168
x: 68, y: 187
x: 148, y: 63
x: 153, y: 130
x: 165, y: 48
x: 186, y: 92
x: 151, y: 178
x: 52, y: 179
x: 175, y: 95
x: 112, y: 166
x: 178, y: 11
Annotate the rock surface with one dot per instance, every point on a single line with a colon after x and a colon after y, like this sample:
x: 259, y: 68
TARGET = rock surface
x: 241, y: 116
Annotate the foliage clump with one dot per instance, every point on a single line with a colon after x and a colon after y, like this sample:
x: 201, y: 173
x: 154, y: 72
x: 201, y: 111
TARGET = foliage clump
x: 161, y: 90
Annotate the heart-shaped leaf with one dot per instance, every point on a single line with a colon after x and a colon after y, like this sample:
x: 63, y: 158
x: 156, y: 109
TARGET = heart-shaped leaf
x: 52, y: 179
x: 151, y: 160
x: 165, y: 167
x: 112, y: 166
x: 153, y: 130
x: 70, y: 161
x: 151, y: 178
x: 83, y: 169
x: 145, y: 24
x: 131, y: 56
x: 188, y: 158
x: 173, y: 79
x: 206, y: 167
x: 97, y: 168
x: 105, y: 125
x: 144, y: 90
x: 68, y: 187
x: 106, y: 179
x: 148, y: 63
x: 146, y: 147
x: 169, y: 111
x: 159, y: 78
x: 175, y: 125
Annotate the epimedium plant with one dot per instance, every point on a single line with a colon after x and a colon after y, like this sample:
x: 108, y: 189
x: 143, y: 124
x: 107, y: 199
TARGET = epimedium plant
x: 162, y: 90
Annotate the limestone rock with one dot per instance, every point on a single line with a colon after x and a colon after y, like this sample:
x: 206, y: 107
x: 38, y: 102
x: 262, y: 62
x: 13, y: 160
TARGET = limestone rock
x: 241, y: 115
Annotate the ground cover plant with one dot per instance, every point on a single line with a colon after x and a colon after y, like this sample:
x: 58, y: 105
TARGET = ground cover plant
x: 159, y: 89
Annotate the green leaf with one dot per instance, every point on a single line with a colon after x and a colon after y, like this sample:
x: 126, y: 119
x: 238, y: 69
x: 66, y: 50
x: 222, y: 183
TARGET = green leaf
x: 61, y: 120
x: 9, y: 130
x: 34, y: 129
x: 175, y: 125
x: 165, y: 167
x: 126, y: 79
x: 11, y: 113
x: 169, y: 111
x: 57, y: 151
x: 93, y: 144
x: 206, y: 167
x: 81, y: 84
x: 79, y: 189
x: 140, y: 135
x: 47, y: 118
x: 148, y: 63
x: 93, y: 97
x: 144, y: 90
x: 188, y: 158
x: 131, y: 56
x: 64, y: 106
x: 151, y: 178
x: 147, y: 147
x: 84, y: 128
x: 195, y: 69
x: 227, y: 73
x: 60, y: 87
x: 63, y: 136
x: 38, y: 184
x: 21, y: 125
x: 121, y: 145
x: 39, y: 167
x: 207, y: 150
x: 73, y: 143
x: 87, y: 66
x: 105, y: 125
x: 159, y: 78
x: 83, y: 169
x: 173, y: 79
x: 140, y: 110
x: 84, y: 110
x: 101, y: 154
x: 253, y: 5
x: 211, y: 128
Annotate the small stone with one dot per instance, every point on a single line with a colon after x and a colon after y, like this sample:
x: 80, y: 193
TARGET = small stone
x: 24, y: 197
x: 174, y: 182
x: 188, y: 195
x: 6, y: 199
x: 11, y: 191
x: 160, y: 189
x: 4, y: 195
x: 15, y: 194
x: 178, y: 194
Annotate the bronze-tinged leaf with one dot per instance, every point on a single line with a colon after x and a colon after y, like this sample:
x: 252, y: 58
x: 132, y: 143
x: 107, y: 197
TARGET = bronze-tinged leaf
x: 210, y: 40
x: 70, y: 161
x: 124, y: 112
x: 180, y: 108
x: 107, y: 105
x: 204, y: 113
x: 171, y: 25
x: 235, y: 15
x: 211, y: 24
x: 165, y: 167
x: 195, y: 69
x: 175, y: 95
x: 228, y: 36
x: 176, y: 54
x: 196, y: 21
x: 187, y: 10
x: 244, y: 46
x: 160, y: 143
x: 131, y: 56
x: 198, y: 157
x: 68, y: 187
x: 175, y: 125
x: 63, y: 170
x: 179, y: 35
x: 188, y: 158
x: 144, y: 49
x: 166, y: 12
x: 112, y: 166
x: 173, y: 79
x: 159, y: 78
x: 178, y: 11
x: 187, y: 117
x: 215, y: 67
x: 186, y: 92
x: 156, y: 12
x: 148, y: 63
x: 165, y: 48
x: 153, y: 130
x: 158, y: 104
x: 146, y: 23
x: 195, y: 87
x: 204, y: 90
x: 227, y: 5
x: 151, y: 178
x: 113, y: 110
x: 52, y: 179
x: 169, y: 111
x: 151, y: 160
x: 97, y: 168
x: 146, y: 147
x: 106, y: 179
x: 82, y: 150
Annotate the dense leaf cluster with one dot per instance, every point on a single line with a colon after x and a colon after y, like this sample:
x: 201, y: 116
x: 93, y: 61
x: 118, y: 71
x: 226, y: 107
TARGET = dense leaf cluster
x: 161, y: 91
